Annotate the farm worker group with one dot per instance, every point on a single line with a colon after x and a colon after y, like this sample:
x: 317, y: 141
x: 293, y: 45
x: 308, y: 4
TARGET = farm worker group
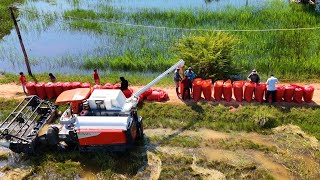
x: 52, y: 78
x: 189, y: 76
x: 23, y: 80
x: 271, y: 84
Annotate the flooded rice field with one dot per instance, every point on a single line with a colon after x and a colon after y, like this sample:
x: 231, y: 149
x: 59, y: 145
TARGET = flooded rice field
x: 54, y: 41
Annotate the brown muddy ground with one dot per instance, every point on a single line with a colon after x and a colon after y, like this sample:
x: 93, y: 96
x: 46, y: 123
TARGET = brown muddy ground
x: 218, y: 155
x: 278, y: 154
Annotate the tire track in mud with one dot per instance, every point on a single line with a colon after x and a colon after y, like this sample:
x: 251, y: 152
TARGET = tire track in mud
x: 154, y: 163
x: 209, y: 174
x: 278, y: 171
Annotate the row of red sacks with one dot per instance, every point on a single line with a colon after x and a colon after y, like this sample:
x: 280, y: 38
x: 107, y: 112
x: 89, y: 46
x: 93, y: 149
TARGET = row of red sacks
x: 53, y: 90
x: 243, y: 90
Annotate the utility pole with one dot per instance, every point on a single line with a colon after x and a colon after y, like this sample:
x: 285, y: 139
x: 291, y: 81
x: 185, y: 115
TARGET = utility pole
x: 21, y: 42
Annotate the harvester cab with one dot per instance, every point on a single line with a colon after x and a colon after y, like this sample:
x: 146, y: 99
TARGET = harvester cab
x: 102, y: 119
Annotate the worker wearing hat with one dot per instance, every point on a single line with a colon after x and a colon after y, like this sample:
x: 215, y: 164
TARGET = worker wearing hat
x: 254, y: 77
x: 177, y: 79
x: 191, y: 75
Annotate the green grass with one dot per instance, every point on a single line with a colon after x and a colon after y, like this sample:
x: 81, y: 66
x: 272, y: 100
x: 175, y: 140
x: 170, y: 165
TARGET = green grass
x: 247, y: 118
x: 290, y: 55
x: 250, y: 171
x: 6, y: 107
x: 145, y: 59
x: 5, y: 17
x: 71, y: 164
x: 177, y: 167
x: 105, y: 12
x: 179, y: 141
x: 233, y: 144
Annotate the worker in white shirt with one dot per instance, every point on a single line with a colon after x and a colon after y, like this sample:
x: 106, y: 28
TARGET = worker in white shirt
x: 271, y: 88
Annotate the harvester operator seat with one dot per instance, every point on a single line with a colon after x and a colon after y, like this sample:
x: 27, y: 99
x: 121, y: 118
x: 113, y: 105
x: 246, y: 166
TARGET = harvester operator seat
x: 100, y: 105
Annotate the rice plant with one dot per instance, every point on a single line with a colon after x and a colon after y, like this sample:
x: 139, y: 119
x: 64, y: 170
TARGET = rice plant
x: 285, y: 53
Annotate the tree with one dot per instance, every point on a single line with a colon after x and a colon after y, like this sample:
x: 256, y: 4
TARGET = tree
x: 210, y: 55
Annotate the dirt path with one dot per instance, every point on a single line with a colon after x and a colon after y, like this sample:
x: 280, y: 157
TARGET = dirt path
x: 11, y: 91
x: 15, y: 91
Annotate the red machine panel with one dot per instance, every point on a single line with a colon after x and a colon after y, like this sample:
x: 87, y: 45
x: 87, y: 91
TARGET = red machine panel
x: 101, y: 137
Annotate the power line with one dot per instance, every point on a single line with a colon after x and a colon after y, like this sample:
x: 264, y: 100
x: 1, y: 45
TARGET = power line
x: 100, y: 30
x: 167, y: 43
x: 186, y: 29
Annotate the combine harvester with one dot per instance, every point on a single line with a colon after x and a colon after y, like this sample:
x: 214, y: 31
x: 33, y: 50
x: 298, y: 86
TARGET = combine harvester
x: 101, y: 120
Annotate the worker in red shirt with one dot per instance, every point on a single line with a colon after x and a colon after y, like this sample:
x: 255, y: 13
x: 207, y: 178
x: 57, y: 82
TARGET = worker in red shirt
x: 186, y: 86
x: 96, y: 77
x: 23, y: 81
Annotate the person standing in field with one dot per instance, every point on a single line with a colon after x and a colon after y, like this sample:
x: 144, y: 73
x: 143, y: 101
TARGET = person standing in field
x: 186, y: 84
x: 124, y: 84
x: 23, y: 81
x: 177, y: 79
x: 191, y: 75
x: 271, y: 88
x: 52, y: 77
x: 254, y: 77
x: 96, y: 77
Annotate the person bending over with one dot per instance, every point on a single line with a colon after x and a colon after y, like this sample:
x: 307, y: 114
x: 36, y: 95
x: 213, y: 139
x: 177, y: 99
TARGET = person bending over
x: 124, y: 83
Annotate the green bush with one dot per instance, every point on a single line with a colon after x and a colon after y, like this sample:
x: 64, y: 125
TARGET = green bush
x: 210, y: 55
